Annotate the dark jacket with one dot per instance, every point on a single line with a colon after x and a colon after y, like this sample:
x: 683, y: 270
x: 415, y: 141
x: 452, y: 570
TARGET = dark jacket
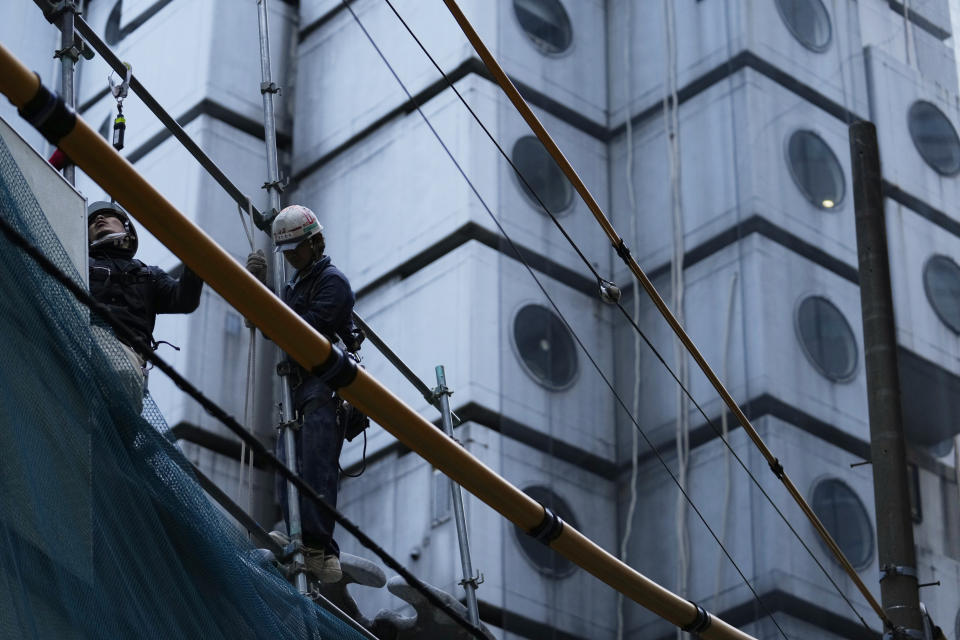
x: 321, y: 295
x: 135, y: 293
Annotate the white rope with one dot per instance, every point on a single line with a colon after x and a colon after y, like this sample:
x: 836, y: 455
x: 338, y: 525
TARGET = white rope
x: 635, y: 405
x: 727, y: 458
x: 956, y: 462
x: 672, y: 131
x: 246, y: 229
x: 246, y: 461
x: 908, y: 33
x: 248, y: 411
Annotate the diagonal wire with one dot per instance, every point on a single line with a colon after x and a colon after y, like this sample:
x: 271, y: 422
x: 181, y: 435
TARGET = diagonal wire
x: 217, y: 412
x: 563, y: 319
x: 600, y: 279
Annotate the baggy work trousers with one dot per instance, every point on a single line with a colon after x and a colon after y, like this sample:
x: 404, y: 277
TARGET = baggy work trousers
x: 318, y: 443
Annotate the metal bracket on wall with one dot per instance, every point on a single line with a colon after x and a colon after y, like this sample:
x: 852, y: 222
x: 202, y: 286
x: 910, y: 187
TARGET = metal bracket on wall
x: 279, y: 185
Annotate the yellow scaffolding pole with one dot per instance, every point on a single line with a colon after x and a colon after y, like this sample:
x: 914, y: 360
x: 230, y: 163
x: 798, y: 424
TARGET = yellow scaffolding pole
x: 246, y: 294
x: 501, y: 78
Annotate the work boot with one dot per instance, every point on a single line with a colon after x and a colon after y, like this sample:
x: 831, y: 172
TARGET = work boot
x: 325, y: 567
x: 279, y: 537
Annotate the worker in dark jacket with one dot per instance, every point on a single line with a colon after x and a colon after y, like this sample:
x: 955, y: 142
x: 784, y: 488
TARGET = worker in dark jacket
x: 320, y: 294
x: 133, y: 291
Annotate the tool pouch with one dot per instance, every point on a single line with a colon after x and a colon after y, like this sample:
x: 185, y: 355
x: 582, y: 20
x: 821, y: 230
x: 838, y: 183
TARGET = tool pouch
x: 352, y: 421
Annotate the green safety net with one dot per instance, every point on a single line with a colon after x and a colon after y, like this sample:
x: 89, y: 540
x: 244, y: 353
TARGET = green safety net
x: 104, y: 532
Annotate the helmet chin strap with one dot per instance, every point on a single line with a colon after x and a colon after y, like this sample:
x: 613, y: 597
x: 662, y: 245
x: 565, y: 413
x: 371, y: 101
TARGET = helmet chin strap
x: 114, y: 238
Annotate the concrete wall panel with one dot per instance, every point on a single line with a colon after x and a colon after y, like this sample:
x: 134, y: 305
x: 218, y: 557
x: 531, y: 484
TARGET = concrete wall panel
x: 468, y: 299
x: 756, y: 538
x: 709, y: 34
x: 396, y: 194
x: 770, y: 282
x: 336, y: 102
x: 734, y: 165
x: 894, y: 89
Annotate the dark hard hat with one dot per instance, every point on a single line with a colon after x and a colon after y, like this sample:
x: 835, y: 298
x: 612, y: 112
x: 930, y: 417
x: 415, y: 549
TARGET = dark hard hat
x: 106, y: 208
x: 113, y: 209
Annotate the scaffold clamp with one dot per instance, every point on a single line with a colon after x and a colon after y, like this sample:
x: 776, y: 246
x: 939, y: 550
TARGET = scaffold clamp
x: 279, y: 185
x: 474, y: 582
x: 269, y: 87
x: 701, y: 623
x: 549, y: 528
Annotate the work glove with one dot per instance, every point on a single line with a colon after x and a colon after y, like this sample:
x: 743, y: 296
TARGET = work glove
x: 257, y: 265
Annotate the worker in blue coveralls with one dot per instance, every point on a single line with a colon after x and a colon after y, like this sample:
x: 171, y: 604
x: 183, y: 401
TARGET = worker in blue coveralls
x: 133, y: 291
x: 320, y: 294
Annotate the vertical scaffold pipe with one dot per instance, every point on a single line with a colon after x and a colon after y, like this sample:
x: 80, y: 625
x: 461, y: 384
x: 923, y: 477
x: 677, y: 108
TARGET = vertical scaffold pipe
x: 469, y: 582
x: 68, y: 63
x: 267, y: 89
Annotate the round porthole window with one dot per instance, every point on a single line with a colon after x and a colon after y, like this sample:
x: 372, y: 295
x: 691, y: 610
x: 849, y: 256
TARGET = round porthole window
x: 112, y: 32
x: 815, y: 170
x: 545, y: 559
x: 941, y: 281
x: 808, y: 21
x: 546, y: 23
x: 827, y: 338
x: 942, y: 449
x: 545, y: 347
x: 934, y: 137
x: 845, y: 517
x: 542, y: 174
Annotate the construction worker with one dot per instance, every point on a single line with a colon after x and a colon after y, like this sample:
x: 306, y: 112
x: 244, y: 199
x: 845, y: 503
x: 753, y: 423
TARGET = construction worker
x: 320, y: 294
x: 133, y: 292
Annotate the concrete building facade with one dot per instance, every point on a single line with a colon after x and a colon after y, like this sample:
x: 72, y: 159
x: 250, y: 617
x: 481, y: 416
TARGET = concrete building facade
x: 714, y: 134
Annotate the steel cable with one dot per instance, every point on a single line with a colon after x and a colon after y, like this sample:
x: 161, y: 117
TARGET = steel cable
x: 559, y: 313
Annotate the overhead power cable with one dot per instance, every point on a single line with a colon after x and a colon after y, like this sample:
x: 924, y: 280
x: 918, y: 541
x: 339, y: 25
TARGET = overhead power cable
x: 625, y: 255
x: 228, y: 421
x: 310, y: 349
x: 559, y: 313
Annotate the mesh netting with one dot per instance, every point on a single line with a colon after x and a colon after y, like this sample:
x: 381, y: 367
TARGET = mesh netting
x: 103, y: 531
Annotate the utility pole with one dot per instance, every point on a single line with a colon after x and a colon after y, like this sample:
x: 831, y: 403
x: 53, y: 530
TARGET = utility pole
x: 273, y: 187
x: 895, y: 548
x: 469, y: 582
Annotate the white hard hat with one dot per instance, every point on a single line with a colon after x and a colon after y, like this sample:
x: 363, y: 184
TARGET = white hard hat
x: 292, y: 226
